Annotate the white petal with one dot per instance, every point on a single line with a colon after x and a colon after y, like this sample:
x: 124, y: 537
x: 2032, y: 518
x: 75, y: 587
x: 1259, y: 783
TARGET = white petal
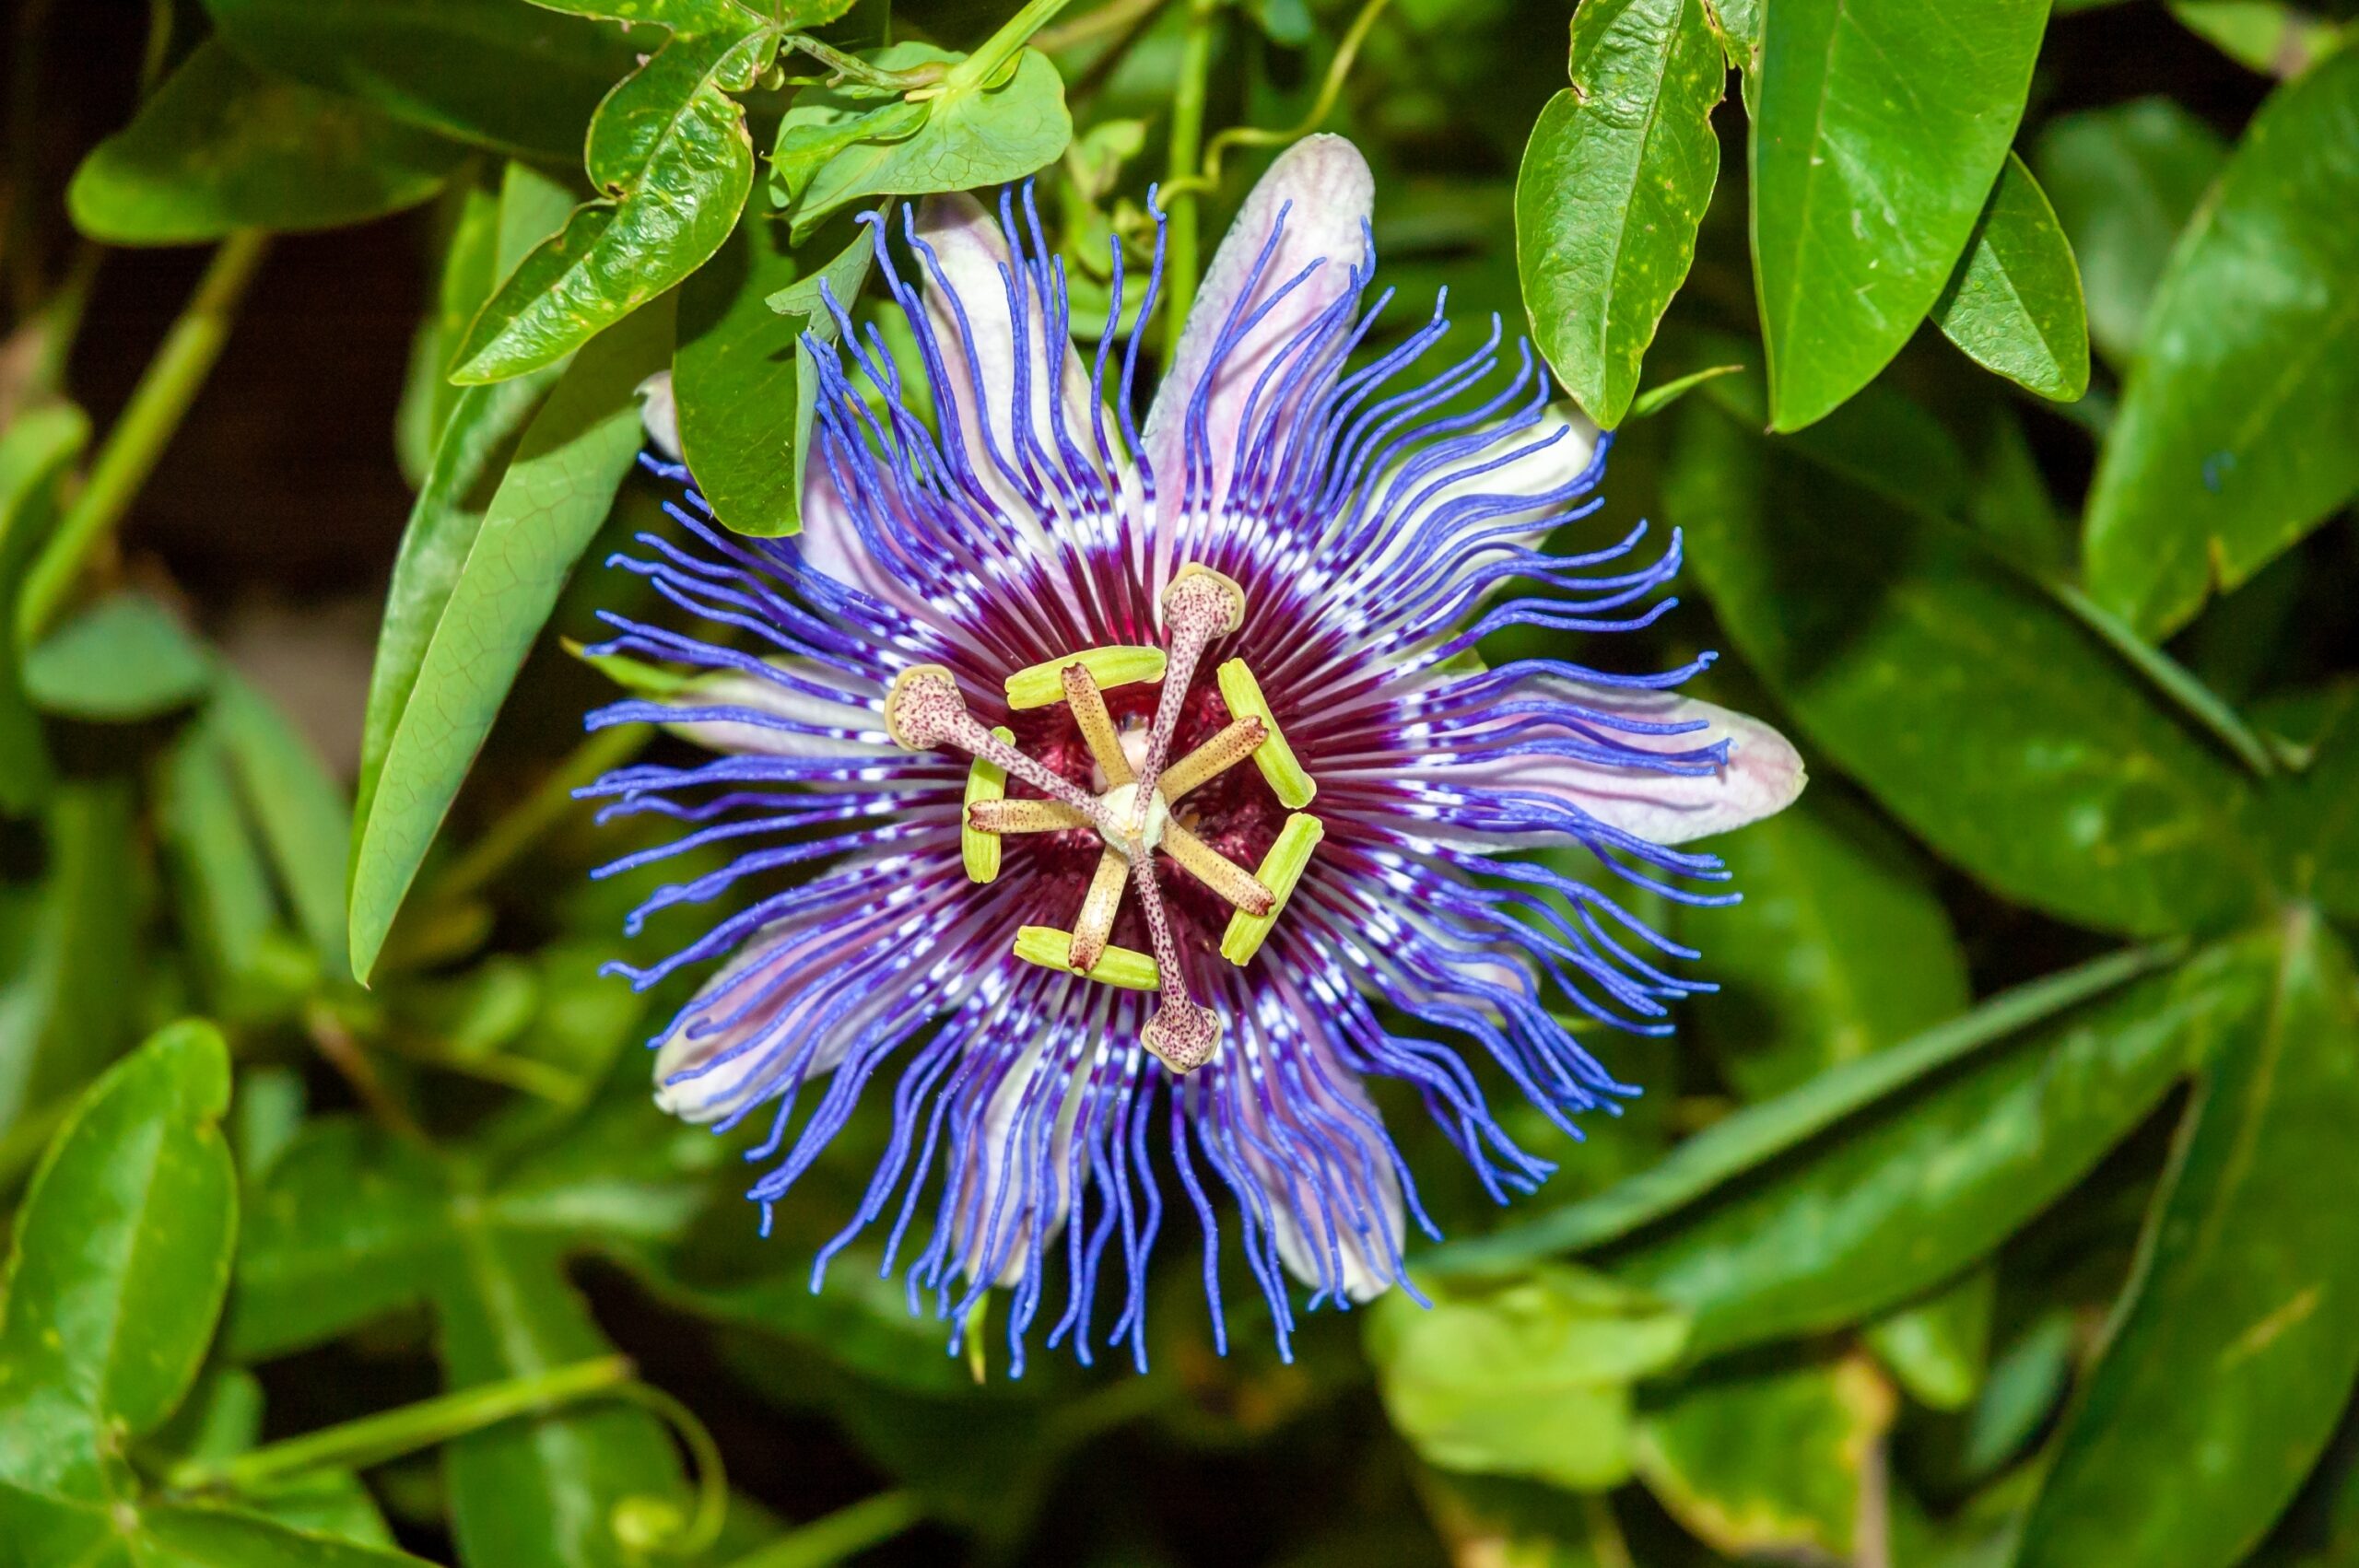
x: 659, y: 414
x: 1323, y: 186
x: 1300, y: 1213
x: 991, y: 1216
x: 769, y: 960
x: 733, y: 688
x: 1763, y: 776
x: 1550, y: 453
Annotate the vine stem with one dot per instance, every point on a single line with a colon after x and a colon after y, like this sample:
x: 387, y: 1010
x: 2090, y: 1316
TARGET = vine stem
x: 148, y: 425
x: 1181, y: 185
x: 834, y: 1537
x: 1208, y: 179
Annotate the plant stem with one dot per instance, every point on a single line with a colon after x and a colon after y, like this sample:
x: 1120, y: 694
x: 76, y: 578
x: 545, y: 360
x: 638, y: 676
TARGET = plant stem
x: 1187, y: 145
x: 371, y: 1440
x: 1005, y: 44
x: 146, y: 427
x: 839, y: 1534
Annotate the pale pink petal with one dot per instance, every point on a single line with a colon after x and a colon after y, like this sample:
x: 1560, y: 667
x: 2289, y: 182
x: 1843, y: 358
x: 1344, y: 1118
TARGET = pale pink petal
x: 773, y: 972
x: 850, y: 709
x: 659, y: 414
x: 993, y: 1215
x: 1326, y: 1218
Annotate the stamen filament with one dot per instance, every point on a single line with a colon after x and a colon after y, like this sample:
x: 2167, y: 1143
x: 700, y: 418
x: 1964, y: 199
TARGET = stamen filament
x: 1095, y: 924
x: 1232, y: 745
x: 1217, y: 870
x: 997, y: 816
x: 1098, y: 731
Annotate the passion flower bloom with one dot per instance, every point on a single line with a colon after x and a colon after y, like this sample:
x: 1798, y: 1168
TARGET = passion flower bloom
x: 1130, y: 794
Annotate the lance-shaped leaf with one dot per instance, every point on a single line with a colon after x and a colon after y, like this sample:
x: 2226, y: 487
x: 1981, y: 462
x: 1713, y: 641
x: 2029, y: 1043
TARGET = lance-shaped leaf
x: 2013, y: 304
x: 2230, y: 1365
x: 669, y: 150
x: 500, y: 75
x: 223, y: 147
x: 35, y: 452
x: 742, y: 379
x: 2233, y: 438
x: 567, y: 466
x: 1615, y: 179
x: 1880, y: 128
x: 837, y: 147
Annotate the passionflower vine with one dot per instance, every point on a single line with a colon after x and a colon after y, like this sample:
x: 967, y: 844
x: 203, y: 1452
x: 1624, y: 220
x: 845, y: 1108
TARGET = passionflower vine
x: 1133, y: 792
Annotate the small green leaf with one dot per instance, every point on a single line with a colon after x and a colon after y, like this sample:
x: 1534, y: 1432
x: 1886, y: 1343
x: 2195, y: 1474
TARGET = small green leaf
x: 1880, y: 128
x: 225, y: 893
x: 836, y: 148
x: 1614, y: 180
x: 670, y: 153
x: 2261, y: 35
x: 123, y: 658
x: 181, y: 1535
x: 1526, y: 1374
x: 741, y: 376
x: 1839, y: 949
x: 1936, y: 1345
x: 222, y: 146
x: 2125, y: 179
x: 2229, y: 1366
x: 1654, y: 400
x: 2013, y: 304
x: 493, y: 72
x: 2233, y: 439
x: 1779, y: 1461
x: 302, y: 811
x: 2059, y: 781
x: 567, y: 467
x: 35, y: 452
x: 120, y: 1260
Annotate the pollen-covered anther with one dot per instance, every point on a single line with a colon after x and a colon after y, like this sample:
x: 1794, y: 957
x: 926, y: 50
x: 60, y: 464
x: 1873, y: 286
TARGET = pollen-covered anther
x: 1183, y: 1034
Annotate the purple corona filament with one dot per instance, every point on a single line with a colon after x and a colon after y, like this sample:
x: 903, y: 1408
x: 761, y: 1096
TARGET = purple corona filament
x: 1118, y: 797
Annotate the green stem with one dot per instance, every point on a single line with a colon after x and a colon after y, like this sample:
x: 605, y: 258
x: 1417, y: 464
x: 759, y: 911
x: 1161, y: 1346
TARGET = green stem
x: 1329, y: 90
x: 1187, y: 145
x: 148, y: 425
x: 2167, y: 675
x: 1002, y: 46
x: 851, y: 67
x: 371, y: 1440
x: 549, y: 804
x: 867, y: 1523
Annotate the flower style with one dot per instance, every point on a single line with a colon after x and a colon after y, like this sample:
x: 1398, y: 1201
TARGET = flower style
x: 1160, y: 797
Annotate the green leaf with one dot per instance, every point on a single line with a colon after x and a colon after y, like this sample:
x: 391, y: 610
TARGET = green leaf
x: 118, y: 1266
x: 742, y: 379
x: 1760, y: 1133
x: 181, y: 1535
x: 567, y: 467
x: 301, y: 810
x: 1921, y: 1185
x: 2261, y: 35
x: 836, y: 147
x: 1655, y: 399
x: 2013, y: 304
x: 2229, y: 1366
x: 2316, y: 810
x: 2125, y: 179
x: 689, y: 16
x: 2058, y: 780
x: 36, y: 451
x: 670, y: 152
x: 222, y: 146
x: 227, y: 907
x: 470, y: 214
x: 1614, y: 180
x: 122, y: 659
x: 1526, y: 1374
x: 1839, y: 949
x: 2026, y: 1383
x: 1936, y: 1345
x: 1778, y: 1461
x: 493, y: 72
x: 2233, y: 439
x: 1880, y: 128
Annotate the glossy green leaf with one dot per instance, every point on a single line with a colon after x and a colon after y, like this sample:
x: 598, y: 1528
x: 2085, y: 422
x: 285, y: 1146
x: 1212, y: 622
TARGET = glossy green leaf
x: 740, y: 378
x: 2124, y: 180
x: 495, y: 72
x: 669, y: 150
x: 2057, y: 779
x: 301, y: 810
x: 2233, y: 439
x: 569, y: 464
x: 1758, y: 1134
x: 1655, y: 399
x: 1778, y: 1461
x: 192, y: 1536
x: 470, y: 214
x: 1839, y: 949
x: 1936, y: 1346
x: 36, y: 451
x: 2026, y: 1381
x: 2013, y: 304
x: 223, y: 147
x: 118, y: 1264
x: 1924, y: 1183
x: 690, y: 17
x: 1614, y: 180
x: 1524, y: 1374
x: 1880, y: 128
x: 2232, y: 1363
x: 2316, y: 808
x: 122, y: 659
x: 835, y: 148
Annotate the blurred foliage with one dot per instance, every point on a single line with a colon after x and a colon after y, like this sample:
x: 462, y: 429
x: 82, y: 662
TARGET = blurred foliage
x: 1996, y: 1210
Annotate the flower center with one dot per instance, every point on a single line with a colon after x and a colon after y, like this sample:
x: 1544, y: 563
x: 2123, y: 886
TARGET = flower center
x: 1129, y: 802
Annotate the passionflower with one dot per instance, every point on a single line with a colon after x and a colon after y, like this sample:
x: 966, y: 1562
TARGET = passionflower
x: 1135, y: 794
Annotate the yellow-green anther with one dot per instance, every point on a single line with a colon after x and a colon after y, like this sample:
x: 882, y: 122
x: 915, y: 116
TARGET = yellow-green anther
x: 1052, y: 949
x: 1120, y: 664
x: 1279, y: 869
x: 985, y: 781
x: 1292, y: 787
